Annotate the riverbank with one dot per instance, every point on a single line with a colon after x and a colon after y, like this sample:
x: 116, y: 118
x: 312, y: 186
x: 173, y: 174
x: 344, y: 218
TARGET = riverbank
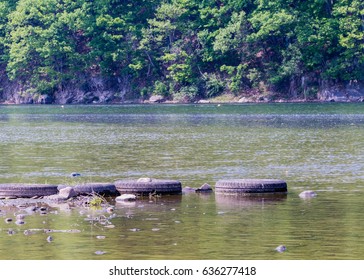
x: 225, y: 98
x: 351, y: 92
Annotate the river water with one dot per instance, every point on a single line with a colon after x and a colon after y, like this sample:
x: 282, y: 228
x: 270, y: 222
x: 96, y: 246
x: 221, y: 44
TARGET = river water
x: 311, y: 146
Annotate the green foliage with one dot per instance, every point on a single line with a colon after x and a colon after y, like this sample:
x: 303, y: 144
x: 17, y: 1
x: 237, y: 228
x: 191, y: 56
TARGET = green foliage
x: 160, y: 88
x: 186, y: 94
x: 181, y: 48
x: 213, y: 86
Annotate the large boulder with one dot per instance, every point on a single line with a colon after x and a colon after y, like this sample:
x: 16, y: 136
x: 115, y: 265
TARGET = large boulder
x: 156, y: 99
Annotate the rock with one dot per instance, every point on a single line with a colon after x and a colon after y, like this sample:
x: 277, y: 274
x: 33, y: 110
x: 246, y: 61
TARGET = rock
x: 125, y: 197
x: 204, y: 188
x: 100, y: 252
x: 156, y: 99
x: 244, y: 100
x: 67, y: 193
x: 307, y: 194
x: 109, y: 209
x: 281, y: 248
x: 8, y: 220
x: 75, y: 174
x: 49, y: 239
x: 20, y: 217
x: 188, y: 190
x: 203, y: 101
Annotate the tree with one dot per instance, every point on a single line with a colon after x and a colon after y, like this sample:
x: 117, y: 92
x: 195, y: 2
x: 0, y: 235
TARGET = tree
x: 46, y: 44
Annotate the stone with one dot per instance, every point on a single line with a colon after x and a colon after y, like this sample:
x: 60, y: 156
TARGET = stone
x: 188, y: 190
x: 281, y: 248
x: 244, y: 100
x: 156, y: 98
x: 307, y: 194
x: 125, y: 197
x: 20, y: 217
x: 75, y: 174
x: 204, y: 188
x: 67, y: 193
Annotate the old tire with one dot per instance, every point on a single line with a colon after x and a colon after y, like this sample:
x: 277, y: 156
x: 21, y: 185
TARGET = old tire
x: 17, y: 190
x: 250, y: 186
x: 154, y: 186
x: 88, y: 188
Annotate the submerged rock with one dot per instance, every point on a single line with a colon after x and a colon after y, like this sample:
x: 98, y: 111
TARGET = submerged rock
x: 307, y: 194
x: 100, y: 252
x: 281, y: 248
x: 188, y: 190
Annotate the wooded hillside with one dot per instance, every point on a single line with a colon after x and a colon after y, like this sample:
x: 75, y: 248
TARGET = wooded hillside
x: 52, y: 50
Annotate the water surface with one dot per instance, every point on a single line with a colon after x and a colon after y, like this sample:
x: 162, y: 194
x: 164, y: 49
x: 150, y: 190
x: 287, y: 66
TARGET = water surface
x: 311, y: 146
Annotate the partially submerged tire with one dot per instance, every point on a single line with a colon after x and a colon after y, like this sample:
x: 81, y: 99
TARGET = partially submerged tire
x: 88, y: 188
x: 250, y: 186
x: 151, y: 186
x: 17, y: 190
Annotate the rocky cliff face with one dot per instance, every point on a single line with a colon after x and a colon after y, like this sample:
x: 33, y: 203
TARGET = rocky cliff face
x: 351, y: 92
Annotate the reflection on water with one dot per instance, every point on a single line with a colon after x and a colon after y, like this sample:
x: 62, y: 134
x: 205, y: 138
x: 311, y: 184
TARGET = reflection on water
x: 311, y: 146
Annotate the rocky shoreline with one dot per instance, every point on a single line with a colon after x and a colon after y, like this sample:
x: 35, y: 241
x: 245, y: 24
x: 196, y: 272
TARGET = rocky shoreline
x: 351, y: 92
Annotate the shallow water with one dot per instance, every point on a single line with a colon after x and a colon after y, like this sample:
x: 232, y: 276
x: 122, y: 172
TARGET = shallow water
x: 311, y: 146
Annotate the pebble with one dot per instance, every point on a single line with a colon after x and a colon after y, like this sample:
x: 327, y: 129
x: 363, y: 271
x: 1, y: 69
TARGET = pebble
x: 109, y: 226
x: 109, y: 209
x: 49, y: 239
x: 8, y: 220
x: 100, y: 236
x: 307, y: 194
x: 281, y: 248
x: 100, y: 252
x: 20, y: 222
x: 20, y: 217
x: 28, y: 232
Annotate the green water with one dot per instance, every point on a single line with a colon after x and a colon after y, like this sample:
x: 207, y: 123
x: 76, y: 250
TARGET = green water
x: 311, y: 146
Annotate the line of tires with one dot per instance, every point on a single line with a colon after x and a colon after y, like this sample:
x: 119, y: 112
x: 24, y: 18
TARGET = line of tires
x: 142, y: 186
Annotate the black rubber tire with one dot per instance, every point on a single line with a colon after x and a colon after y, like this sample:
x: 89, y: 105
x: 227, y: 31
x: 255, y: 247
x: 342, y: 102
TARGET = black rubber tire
x: 88, y: 188
x: 18, y: 190
x: 155, y: 186
x: 236, y: 186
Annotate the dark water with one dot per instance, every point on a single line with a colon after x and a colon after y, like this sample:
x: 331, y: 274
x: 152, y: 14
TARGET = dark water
x: 311, y: 146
